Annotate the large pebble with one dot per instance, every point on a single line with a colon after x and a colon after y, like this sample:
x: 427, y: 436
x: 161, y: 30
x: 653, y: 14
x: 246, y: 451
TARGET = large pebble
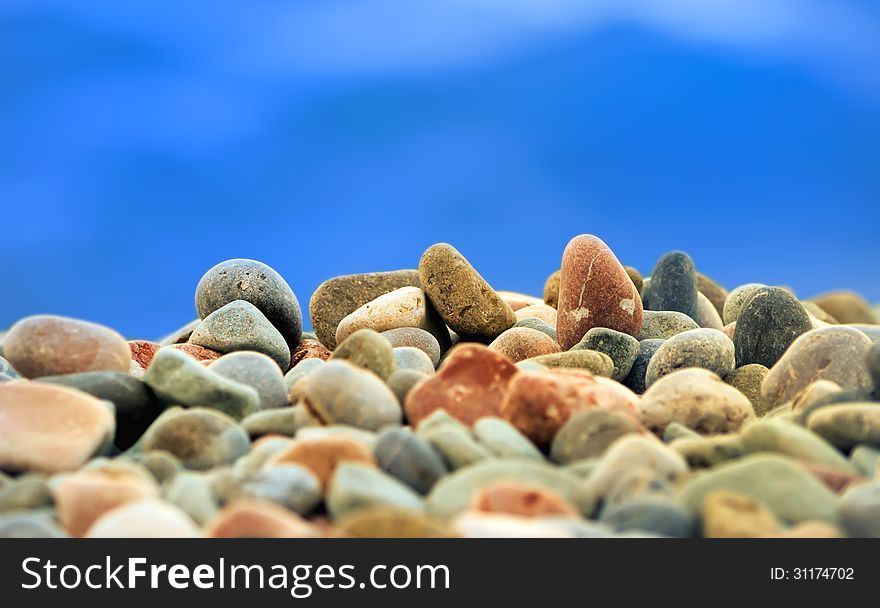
x: 594, y: 291
x: 409, y: 458
x: 836, y: 353
x: 589, y: 433
x: 367, y: 349
x: 416, y: 338
x: 704, y: 348
x: 662, y: 324
x: 257, y: 371
x: 467, y: 303
x: 253, y: 282
x: 519, y: 343
x: 355, y: 486
x: 767, y: 325
x: 697, y: 399
x: 471, y: 383
x: 240, y: 325
x: 340, y: 393
x: 46, y: 345
x: 673, y: 285
x: 620, y: 347
x: 737, y: 299
x: 51, y: 428
x: 200, y: 438
x: 177, y: 379
x: 848, y: 425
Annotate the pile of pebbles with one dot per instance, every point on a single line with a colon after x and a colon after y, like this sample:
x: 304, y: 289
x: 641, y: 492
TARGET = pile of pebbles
x: 427, y: 404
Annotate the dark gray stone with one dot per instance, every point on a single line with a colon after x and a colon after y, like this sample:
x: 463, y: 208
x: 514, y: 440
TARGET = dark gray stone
x: 767, y: 325
x: 406, y: 456
x: 673, y: 285
x: 622, y: 348
x: 635, y: 380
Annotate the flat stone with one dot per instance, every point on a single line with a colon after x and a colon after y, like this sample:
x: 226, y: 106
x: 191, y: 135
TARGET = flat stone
x: 179, y: 380
x: 663, y: 324
x: 200, y: 438
x: 769, y: 322
x: 385, y: 522
x: 847, y: 307
x: 538, y: 324
x: 538, y: 404
x: 402, y: 382
x: 551, y: 289
x: 713, y: 291
x: 635, y: 380
x: 465, y: 301
x: 336, y: 298
x: 790, y: 492
x: 257, y: 371
x: 308, y: 349
x: 340, y: 393
x: 416, y: 338
x: 747, y: 380
x: 51, y: 428
x: 795, y: 441
x: 148, y: 518
x: 321, y: 455
x: 594, y: 291
x: 835, y: 353
x: 470, y: 384
x: 848, y: 425
x: 258, y: 284
x: 292, y: 486
x: 704, y: 348
x: 860, y: 511
x: 731, y: 515
x: 587, y: 434
x: 355, y: 486
x: 620, y: 347
x: 409, y: 458
x: 503, y: 439
x: 136, y: 405
x: 367, y: 349
x: 47, y: 345
x: 696, y: 398
x: 258, y: 519
x: 240, y: 325
x: 673, y: 285
x: 591, y: 361
x: 737, y: 299
x: 520, y: 343
x: 412, y: 358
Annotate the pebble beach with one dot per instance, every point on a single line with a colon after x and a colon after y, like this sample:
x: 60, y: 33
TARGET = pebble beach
x: 620, y: 402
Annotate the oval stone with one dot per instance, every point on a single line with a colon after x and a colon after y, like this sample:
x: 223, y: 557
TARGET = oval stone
x: 663, y: 324
x: 410, y: 357
x: 847, y: 425
x: 240, y: 325
x: 713, y: 291
x: 635, y: 380
x: 551, y: 289
x: 200, y: 438
x: 368, y: 350
x: 737, y: 300
x: 148, y: 518
x: 705, y: 348
x: 673, y: 285
x: 588, y: 434
x: 408, y: 457
x: 620, y: 347
x: 257, y: 371
x: 769, y: 322
x: 519, y: 343
x: 847, y: 307
x: 417, y: 338
x: 340, y: 393
x: 546, y: 313
x: 592, y: 361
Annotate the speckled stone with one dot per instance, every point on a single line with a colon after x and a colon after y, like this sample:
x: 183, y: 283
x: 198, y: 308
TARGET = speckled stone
x: 240, y: 325
x: 341, y: 393
x: 46, y: 345
x: 179, y: 380
x: 368, y: 350
x: 594, y: 291
x: 321, y: 455
x: 539, y: 325
x: 257, y: 371
x: 713, y: 291
x: 551, y: 289
x: 355, y: 486
x: 836, y: 353
x: 143, y: 351
x: 308, y: 348
x: 848, y: 425
x: 793, y: 440
x: 519, y: 343
x: 635, y: 380
x: 410, y: 357
x: 696, y: 398
x: 705, y: 348
x: 544, y: 312
x: 51, y: 428
x: 747, y: 380
x: 471, y: 383
x: 503, y: 439
x: 538, y: 404
x: 731, y: 515
x: 417, y: 338
x: 620, y: 347
x: 673, y: 285
x: 336, y: 298
x: 258, y: 284
x: 200, y: 438
x: 847, y: 307
x: 404, y: 307
x: 402, y: 382
x: 707, y: 316
x: 663, y: 324
x: 409, y: 458
x: 860, y: 511
x: 592, y: 361
x: 587, y: 434
x: 737, y: 299
x: 770, y: 320
x: 465, y: 301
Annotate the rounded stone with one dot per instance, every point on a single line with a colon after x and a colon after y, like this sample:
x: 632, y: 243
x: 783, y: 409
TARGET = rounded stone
x: 240, y: 325
x: 177, y: 379
x: 200, y: 438
x: 51, y: 428
x: 471, y: 383
x: 793, y: 440
x: 538, y: 311
x: 837, y: 353
x: 340, y: 393
x: 522, y: 500
x: 27, y: 492
x: 673, y: 285
x: 704, y: 348
x: 707, y: 316
x: 302, y: 369
x: 368, y: 350
x: 737, y: 300
x: 136, y: 405
x: 192, y: 493
x: 47, y: 345
x: 713, y: 291
x: 770, y: 320
x: 503, y: 439
x: 402, y: 382
x: 847, y: 307
x: 594, y: 291
x: 149, y: 518
x: 404, y: 307
x: 143, y: 351
x: 620, y: 347
x: 321, y: 455
x: 199, y: 353
x: 355, y: 486
x: 635, y: 380
x: 587, y: 434
x: 591, y: 361
x: 308, y: 348
x: 538, y: 324
x: 636, y: 277
x: 860, y: 511
x: 383, y: 522
x: 417, y: 338
x: 633, y: 453
x: 650, y: 514
x: 409, y: 458
x: 292, y: 486
x: 258, y: 284
x: 847, y: 425
x: 249, y: 518
x: 517, y: 300
x: 731, y: 515
x: 412, y: 358
x: 257, y: 371
x: 663, y: 324
x: 336, y: 298
x: 551, y: 289
x: 465, y: 301
x: 747, y: 380
x: 697, y: 399
x: 457, y: 446
x: 815, y: 395
x: 519, y: 343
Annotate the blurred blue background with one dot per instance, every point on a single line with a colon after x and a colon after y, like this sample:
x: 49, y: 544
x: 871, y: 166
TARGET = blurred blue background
x: 140, y: 144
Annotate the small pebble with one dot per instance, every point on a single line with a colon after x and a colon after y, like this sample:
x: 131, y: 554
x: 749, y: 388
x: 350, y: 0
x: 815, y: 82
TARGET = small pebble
x: 355, y: 486
x: 591, y: 361
x: 713, y: 291
x: 148, y: 518
x: 321, y: 455
x: 412, y: 358
x: 402, y: 382
x: 367, y: 349
x: 292, y: 486
x: 503, y: 439
x: 340, y: 393
x: 847, y: 425
x: 282, y: 421
x: 200, y: 438
x: 792, y: 440
x: 520, y: 343
x: 199, y: 353
x: 737, y: 299
x: 673, y: 285
x: 589, y: 433
x: 663, y: 324
x: 705, y: 348
x: 551, y: 289
x: 860, y: 511
x: 544, y: 312
x: 384, y: 522
x: 417, y: 338
x: 308, y: 348
x: 409, y: 458
x: 192, y: 493
x: 847, y: 307
x: 257, y: 371
x: 523, y: 500
x: 655, y: 515
x: 731, y: 515
x: 538, y: 324
x: 620, y: 347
